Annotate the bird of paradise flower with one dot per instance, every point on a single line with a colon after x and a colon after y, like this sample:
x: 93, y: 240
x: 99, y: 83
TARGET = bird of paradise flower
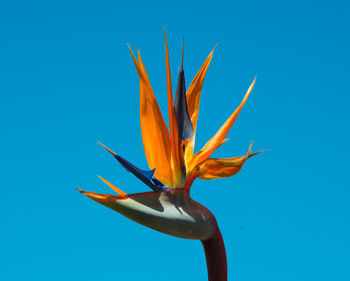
x: 174, y: 166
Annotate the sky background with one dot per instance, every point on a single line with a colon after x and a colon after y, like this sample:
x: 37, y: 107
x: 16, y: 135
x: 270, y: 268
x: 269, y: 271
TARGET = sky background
x: 67, y: 81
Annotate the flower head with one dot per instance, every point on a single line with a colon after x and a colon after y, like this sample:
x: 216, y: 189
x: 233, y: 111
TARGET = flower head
x: 171, y: 158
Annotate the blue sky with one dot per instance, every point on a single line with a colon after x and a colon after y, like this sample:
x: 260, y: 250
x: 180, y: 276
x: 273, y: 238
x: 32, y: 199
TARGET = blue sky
x: 68, y: 81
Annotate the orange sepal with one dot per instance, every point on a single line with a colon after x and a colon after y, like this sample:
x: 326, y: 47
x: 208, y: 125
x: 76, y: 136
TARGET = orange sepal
x: 217, y: 139
x: 193, y: 98
x: 223, y: 167
x: 100, y: 197
x: 173, y: 132
x: 154, y: 132
x: 116, y: 189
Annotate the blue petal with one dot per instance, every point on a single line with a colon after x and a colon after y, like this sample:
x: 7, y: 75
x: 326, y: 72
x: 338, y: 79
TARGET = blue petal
x: 144, y: 176
x: 183, y: 119
x: 158, y: 184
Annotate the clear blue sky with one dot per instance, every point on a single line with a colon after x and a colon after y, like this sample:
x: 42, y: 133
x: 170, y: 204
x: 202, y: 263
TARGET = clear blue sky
x: 67, y: 80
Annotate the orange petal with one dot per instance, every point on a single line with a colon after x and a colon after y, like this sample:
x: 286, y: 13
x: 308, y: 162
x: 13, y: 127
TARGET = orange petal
x: 217, y: 139
x: 154, y: 132
x: 223, y: 141
x: 100, y: 197
x: 226, y: 167
x: 193, y: 97
x: 174, y: 138
x: 137, y: 66
x: 116, y: 189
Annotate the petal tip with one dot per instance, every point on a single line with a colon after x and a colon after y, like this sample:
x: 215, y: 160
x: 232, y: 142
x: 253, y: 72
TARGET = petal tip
x: 109, y: 150
x: 116, y: 189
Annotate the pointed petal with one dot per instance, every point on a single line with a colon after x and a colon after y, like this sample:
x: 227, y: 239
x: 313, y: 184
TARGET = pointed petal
x: 194, y: 91
x: 159, y: 186
x: 144, y: 176
x: 217, y: 139
x: 109, y: 150
x: 183, y: 119
x: 173, y: 133
x: 225, y: 167
x: 223, y: 141
x: 154, y: 132
x: 137, y: 66
x: 99, y: 197
x: 193, y: 97
x: 116, y: 189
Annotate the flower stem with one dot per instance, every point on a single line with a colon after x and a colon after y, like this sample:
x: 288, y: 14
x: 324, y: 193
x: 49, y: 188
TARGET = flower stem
x: 215, y: 254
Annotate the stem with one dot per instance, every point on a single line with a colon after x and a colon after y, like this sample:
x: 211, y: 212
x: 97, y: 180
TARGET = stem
x: 216, y: 257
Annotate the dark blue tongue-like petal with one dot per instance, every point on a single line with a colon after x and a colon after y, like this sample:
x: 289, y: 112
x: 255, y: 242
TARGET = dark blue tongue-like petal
x: 183, y: 119
x: 146, y: 177
x: 158, y: 184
